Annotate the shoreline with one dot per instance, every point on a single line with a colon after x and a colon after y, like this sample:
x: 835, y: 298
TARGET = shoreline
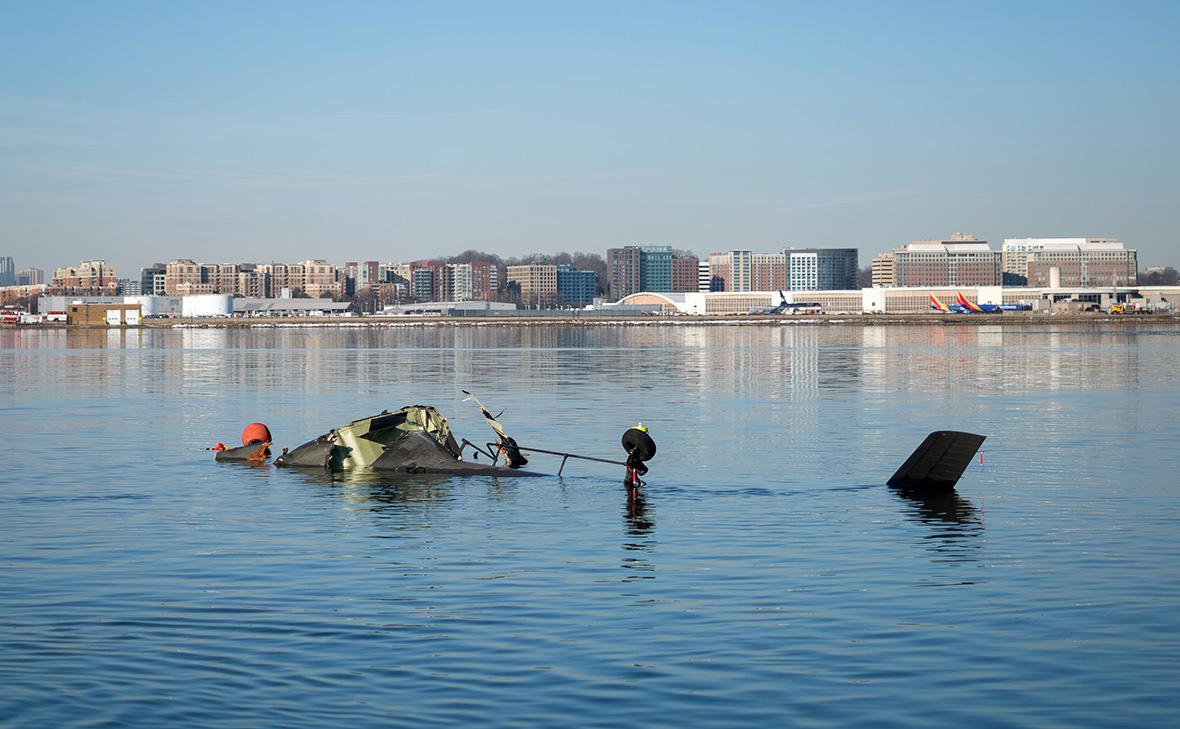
x: 1008, y: 320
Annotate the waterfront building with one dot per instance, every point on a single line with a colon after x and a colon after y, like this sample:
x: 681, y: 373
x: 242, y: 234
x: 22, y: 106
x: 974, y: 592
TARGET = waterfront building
x: 655, y: 268
x: 623, y: 271
x: 768, y: 271
x: 148, y: 281
x: 914, y: 300
x: 1015, y: 253
x: 485, y: 280
x: 459, y: 282
x: 648, y: 268
x: 7, y: 271
x: 685, y: 273
x: 575, y: 287
x: 181, y: 273
x: 962, y: 260
x: 422, y: 284
x: 30, y: 277
x: 537, y: 283
x: 185, y: 277
x: 1059, y: 268
x: 732, y: 270
x: 21, y: 294
x: 88, y: 277
x: 1079, y: 261
x: 1159, y: 275
x: 320, y: 279
x: 821, y: 269
x: 704, y: 276
x: 882, y: 268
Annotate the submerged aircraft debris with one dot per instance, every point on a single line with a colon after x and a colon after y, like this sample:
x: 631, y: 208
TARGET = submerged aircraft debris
x: 417, y: 439
x: 938, y: 463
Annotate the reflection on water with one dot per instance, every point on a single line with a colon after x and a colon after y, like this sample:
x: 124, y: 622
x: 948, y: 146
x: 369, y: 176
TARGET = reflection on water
x: 953, y: 522
x: 783, y: 585
x: 638, y: 542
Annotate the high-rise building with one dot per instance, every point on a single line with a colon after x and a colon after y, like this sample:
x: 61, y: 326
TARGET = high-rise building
x: 422, y: 284
x: 94, y: 278
x: 147, y: 278
x: 768, y: 272
x: 7, y: 271
x: 655, y: 268
x: 575, y: 287
x: 485, y: 280
x: 632, y: 269
x: 821, y: 269
x: 1097, y: 261
x: 963, y: 260
x: 623, y: 271
x: 461, y: 284
x: 883, y: 270
x: 685, y: 273
x: 704, y: 276
x: 30, y: 277
x: 732, y: 270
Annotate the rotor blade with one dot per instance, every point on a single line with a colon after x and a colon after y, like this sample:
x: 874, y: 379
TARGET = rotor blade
x: 490, y: 418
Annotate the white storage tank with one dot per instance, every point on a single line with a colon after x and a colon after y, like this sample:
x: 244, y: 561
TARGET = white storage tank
x: 147, y: 304
x: 206, y: 305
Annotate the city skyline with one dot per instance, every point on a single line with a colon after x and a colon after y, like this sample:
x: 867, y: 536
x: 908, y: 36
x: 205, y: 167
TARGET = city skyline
x: 391, y: 133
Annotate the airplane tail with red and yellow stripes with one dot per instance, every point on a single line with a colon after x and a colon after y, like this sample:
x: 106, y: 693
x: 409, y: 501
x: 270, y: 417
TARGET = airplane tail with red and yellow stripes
x: 938, y: 305
x: 963, y: 302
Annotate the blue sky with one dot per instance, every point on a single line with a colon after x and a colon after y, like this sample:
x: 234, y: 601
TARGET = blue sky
x: 393, y: 131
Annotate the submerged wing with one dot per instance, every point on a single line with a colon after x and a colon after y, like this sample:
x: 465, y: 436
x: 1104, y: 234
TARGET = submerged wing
x: 938, y: 464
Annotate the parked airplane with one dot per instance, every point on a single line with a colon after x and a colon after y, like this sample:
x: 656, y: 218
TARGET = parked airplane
x: 971, y: 308
x: 938, y: 305
x: 783, y: 307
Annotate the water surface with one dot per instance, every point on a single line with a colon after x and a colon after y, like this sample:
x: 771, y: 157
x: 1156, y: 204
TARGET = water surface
x: 764, y: 576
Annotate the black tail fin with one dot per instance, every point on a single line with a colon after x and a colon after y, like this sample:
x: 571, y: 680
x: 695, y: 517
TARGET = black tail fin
x: 937, y: 464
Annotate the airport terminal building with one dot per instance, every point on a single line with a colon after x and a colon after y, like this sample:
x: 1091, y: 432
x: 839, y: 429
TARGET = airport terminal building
x: 909, y: 300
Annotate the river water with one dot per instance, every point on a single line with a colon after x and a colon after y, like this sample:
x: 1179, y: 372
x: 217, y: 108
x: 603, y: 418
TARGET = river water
x: 764, y: 576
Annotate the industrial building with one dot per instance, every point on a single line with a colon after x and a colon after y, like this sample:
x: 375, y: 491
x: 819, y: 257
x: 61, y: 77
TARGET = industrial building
x: 111, y: 315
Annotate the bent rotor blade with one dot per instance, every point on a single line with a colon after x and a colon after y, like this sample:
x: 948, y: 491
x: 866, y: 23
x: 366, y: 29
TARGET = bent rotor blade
x: 490, y: 418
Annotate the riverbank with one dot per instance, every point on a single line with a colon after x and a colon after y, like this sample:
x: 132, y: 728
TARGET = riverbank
x: 1007, y: 320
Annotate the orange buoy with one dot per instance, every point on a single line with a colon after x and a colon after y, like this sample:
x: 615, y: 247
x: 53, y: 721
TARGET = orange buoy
x: 255, y: 433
